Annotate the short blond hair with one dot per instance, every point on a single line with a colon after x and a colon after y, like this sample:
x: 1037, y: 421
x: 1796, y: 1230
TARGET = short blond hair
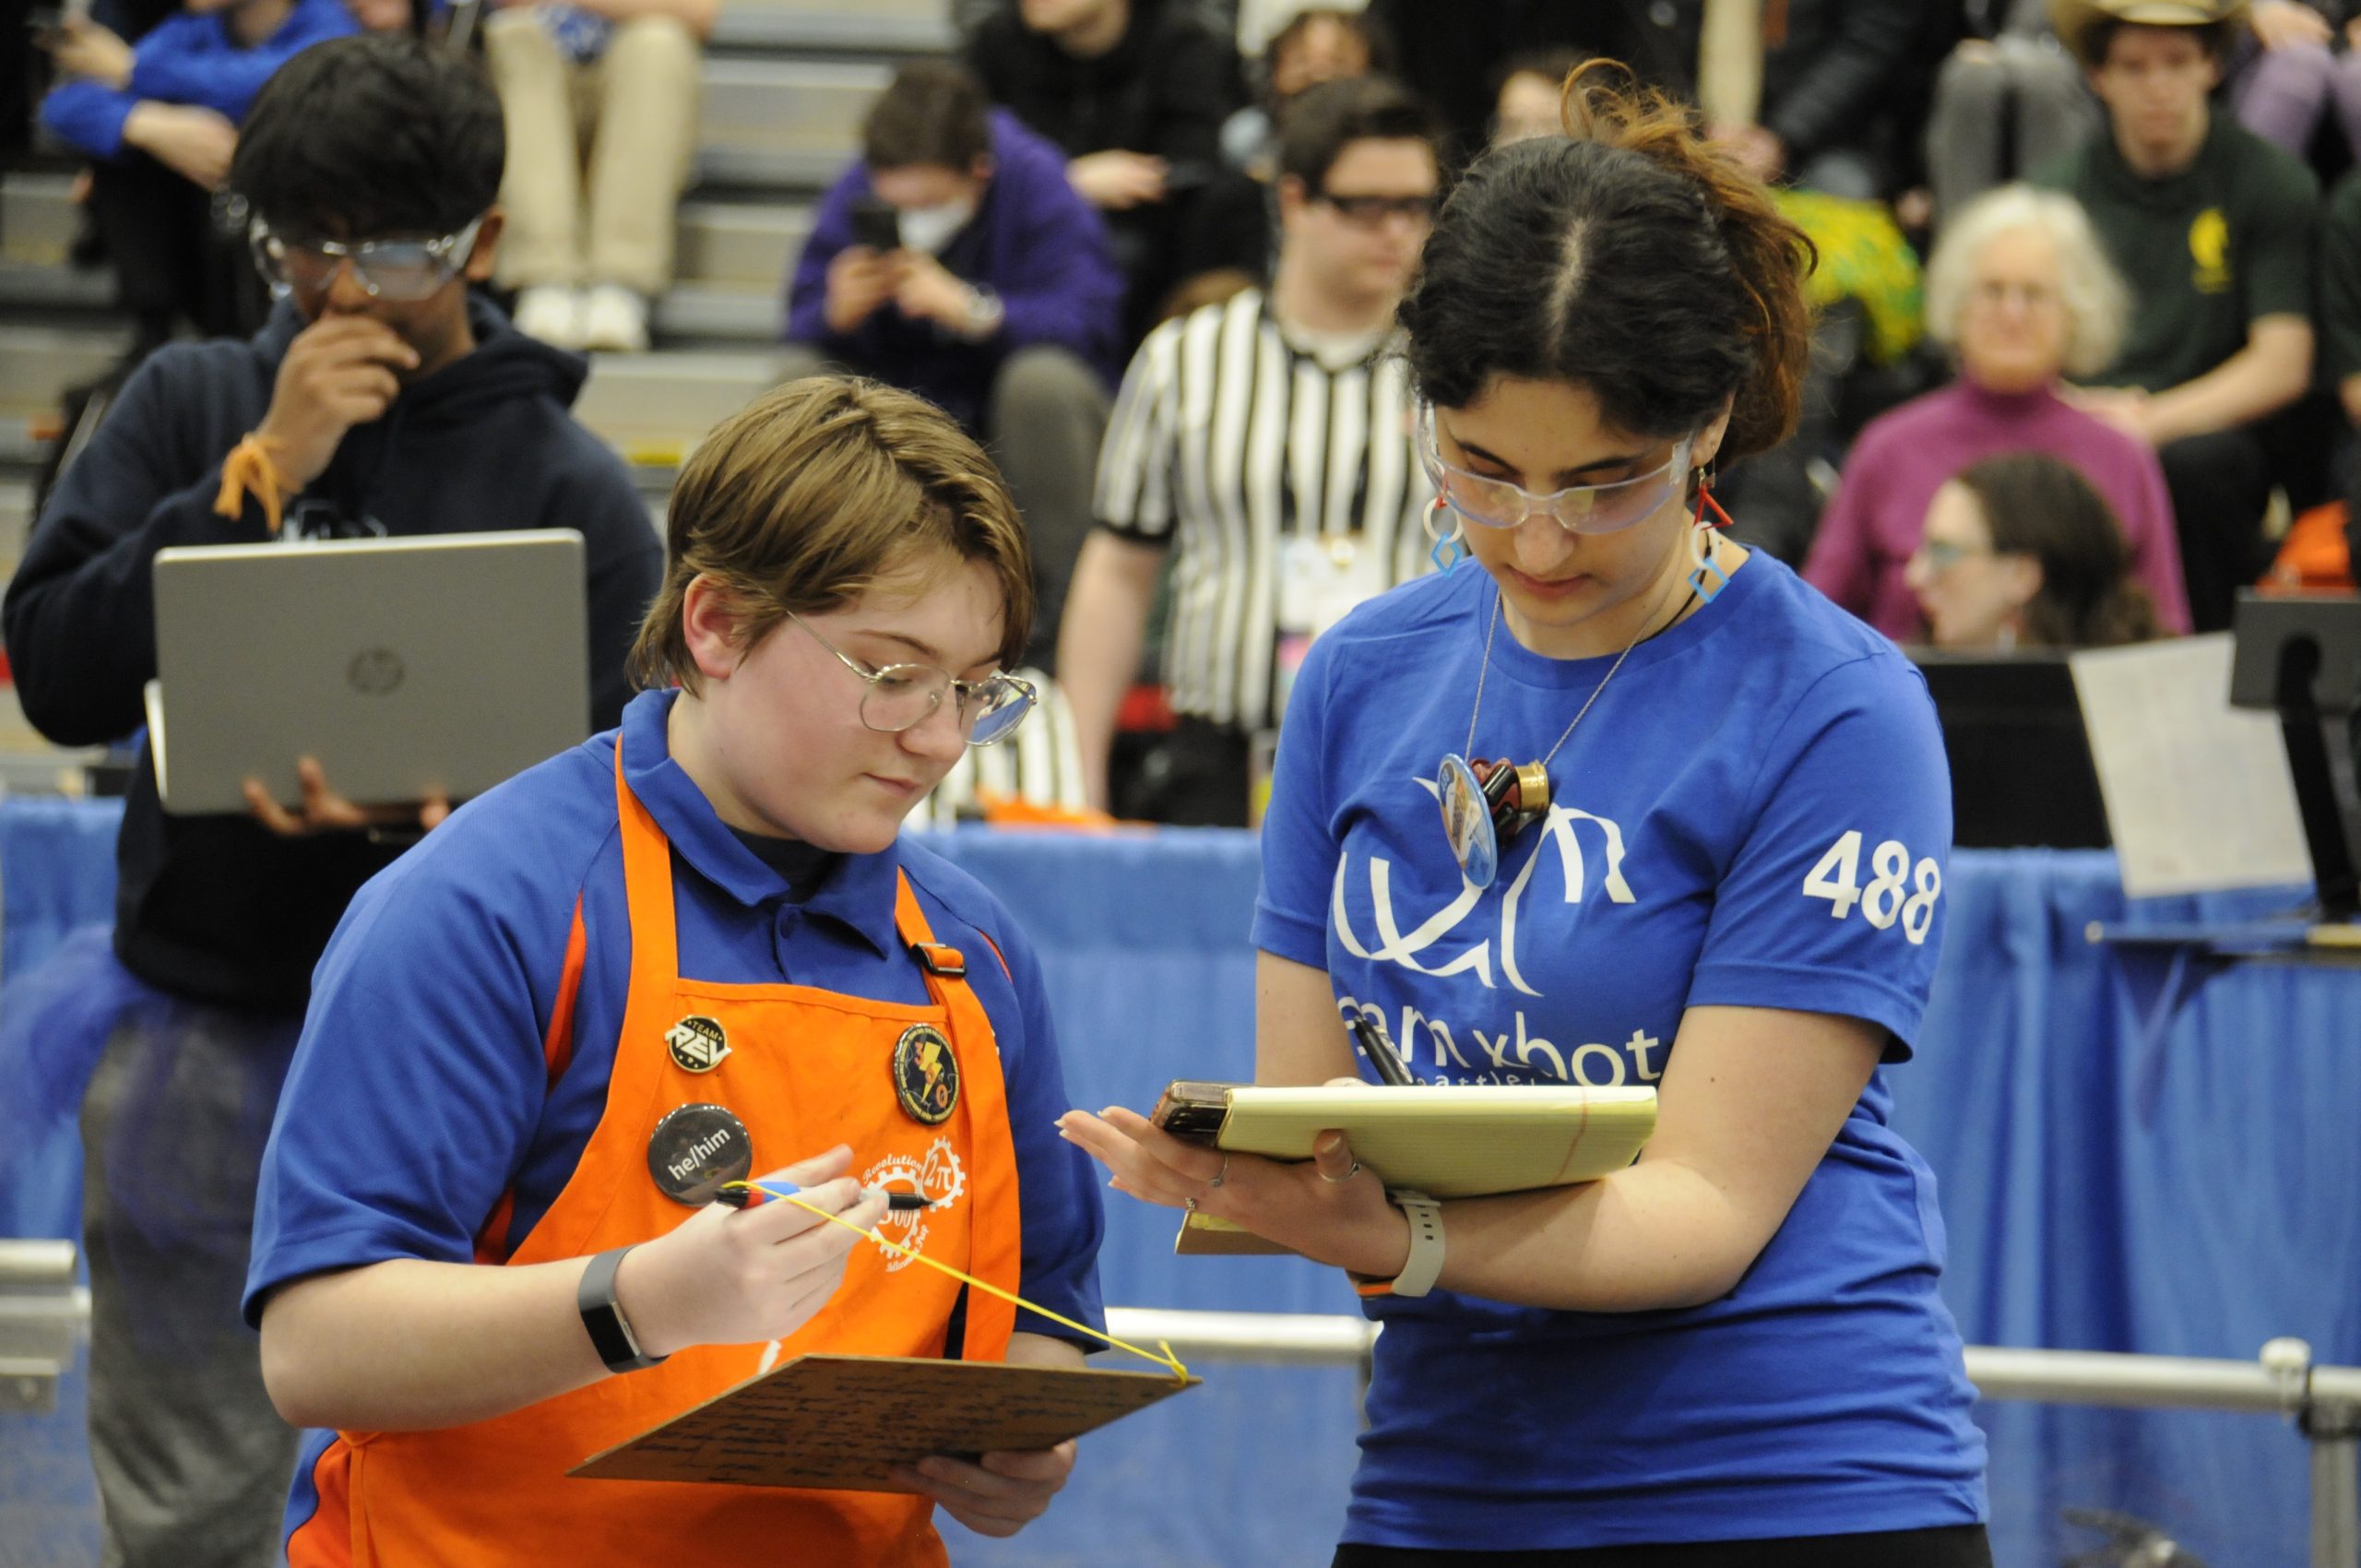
x: 2098, y: 304
x: 807, y: 497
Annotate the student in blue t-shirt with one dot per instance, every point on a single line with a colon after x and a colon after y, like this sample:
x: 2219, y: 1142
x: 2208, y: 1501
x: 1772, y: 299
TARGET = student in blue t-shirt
x: 1731, y: 1351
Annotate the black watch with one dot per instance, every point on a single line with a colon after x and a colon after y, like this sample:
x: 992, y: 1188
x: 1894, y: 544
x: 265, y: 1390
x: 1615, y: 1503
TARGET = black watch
x: 610, y: 1333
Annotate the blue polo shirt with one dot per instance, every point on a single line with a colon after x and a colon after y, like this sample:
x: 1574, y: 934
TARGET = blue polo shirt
x: 1755, y: 813
x: 420, y: 1093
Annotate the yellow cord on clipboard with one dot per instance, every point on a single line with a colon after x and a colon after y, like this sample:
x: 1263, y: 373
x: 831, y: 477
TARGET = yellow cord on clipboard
x: 1167, y: 1359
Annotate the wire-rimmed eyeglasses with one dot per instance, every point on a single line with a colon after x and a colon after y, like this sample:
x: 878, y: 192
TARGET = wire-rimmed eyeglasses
x: 1578, y: 508
x: 901, y: 696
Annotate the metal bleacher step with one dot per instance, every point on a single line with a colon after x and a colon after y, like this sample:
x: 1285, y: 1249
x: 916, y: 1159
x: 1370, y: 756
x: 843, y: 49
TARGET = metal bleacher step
x: 38, y: 219
x: 875, y: 26
x: 784, y: 125
x: 748, y: 245
x: 720, y: 313
x: 654, y: 408
x: 15, y: 523
x: 39, y: 362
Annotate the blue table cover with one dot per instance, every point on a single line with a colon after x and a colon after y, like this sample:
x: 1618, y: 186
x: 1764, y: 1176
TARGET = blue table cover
x: 2195, y: 1194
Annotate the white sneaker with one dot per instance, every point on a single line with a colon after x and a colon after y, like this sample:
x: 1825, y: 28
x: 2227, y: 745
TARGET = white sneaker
x: 614, y: 320
x: 551, y: 314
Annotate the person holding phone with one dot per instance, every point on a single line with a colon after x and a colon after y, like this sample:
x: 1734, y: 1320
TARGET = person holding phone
x: 159, y: 120
x: 953, y: 261
x: 1731, y: 1351
x: 693, y: 949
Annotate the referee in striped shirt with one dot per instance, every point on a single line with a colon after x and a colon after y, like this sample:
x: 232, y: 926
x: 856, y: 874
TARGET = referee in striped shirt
x: 1266, y: 442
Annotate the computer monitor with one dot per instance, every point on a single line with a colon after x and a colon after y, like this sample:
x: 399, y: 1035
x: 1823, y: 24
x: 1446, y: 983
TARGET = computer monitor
x: 2020, y: 757
x: 2300, y: 655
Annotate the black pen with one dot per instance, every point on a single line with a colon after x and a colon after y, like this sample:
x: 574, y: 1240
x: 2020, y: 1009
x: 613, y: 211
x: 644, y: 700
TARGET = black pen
x: 1391, y: 1069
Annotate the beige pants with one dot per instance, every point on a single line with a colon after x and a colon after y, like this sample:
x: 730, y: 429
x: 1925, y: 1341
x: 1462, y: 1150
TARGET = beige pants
x: 596, y: 154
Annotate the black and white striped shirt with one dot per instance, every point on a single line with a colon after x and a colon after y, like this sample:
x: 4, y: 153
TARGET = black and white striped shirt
x: 1227, y: 439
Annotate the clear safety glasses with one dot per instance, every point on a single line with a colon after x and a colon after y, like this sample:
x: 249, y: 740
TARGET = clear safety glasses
x: 901, y: 696
x: 1581, y: 508
x: 390, y: 269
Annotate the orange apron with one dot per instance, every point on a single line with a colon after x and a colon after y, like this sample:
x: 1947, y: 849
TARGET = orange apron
x: 807, y: 1069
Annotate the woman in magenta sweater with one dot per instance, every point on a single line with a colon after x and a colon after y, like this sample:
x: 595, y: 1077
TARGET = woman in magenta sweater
x: 2021, y: 291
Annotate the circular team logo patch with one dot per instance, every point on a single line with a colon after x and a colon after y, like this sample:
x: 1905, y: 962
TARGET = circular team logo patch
x: 926, y: 1075
x: 696, y: 1149
x: 697, y: 1044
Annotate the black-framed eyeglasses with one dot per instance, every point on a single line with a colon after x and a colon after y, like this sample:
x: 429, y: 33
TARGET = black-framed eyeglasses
x: 1369, y: 211
x: 390, y: 269
x: 901, y: 696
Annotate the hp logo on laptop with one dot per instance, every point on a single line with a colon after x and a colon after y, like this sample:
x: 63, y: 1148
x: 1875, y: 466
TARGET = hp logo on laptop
x: 374, y: 671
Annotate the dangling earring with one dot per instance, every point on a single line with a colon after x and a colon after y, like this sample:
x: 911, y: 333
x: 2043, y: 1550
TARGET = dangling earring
x: 1706, y: 579
x: 1449, y: 548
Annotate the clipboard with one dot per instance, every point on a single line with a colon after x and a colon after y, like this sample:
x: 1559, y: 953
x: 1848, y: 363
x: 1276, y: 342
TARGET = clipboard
x: 840, y: 1424
x: 1447, y: 1141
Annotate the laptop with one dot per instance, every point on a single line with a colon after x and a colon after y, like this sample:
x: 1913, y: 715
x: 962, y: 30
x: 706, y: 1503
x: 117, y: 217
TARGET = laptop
x: 2020, y: 756
x: 407, y: 666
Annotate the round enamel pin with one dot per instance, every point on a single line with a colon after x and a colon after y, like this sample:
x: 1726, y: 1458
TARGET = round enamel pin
x: 926, y: 1075
x: 1467, y: 821
x: 697, y: 1044
x: 696, y: 1149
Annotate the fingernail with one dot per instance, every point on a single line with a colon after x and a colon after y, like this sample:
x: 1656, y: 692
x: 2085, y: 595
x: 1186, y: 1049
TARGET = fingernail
x: 1327, y: 1144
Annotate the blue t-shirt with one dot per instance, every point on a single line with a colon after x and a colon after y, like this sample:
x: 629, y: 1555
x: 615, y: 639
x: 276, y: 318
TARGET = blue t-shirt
x: 419, y: 1092
x: 1756, y: 812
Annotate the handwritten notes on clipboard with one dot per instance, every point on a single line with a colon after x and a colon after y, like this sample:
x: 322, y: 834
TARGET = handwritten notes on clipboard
x: 842, y: 1422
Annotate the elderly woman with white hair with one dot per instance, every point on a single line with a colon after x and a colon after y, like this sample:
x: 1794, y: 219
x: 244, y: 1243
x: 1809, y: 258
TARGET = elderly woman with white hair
x: 2021, y: 293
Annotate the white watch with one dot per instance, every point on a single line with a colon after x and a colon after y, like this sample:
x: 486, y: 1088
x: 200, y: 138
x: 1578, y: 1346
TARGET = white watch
x: 1424, y: 1266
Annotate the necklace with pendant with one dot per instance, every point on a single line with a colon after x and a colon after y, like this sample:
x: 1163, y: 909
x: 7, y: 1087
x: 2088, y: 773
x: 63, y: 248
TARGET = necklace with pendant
x: 1489, y: 801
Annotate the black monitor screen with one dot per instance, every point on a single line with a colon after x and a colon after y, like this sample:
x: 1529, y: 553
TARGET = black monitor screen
x: 2020, y: 759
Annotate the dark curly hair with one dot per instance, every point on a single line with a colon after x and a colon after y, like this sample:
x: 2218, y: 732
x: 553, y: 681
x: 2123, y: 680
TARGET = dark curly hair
x: 1629, y: 256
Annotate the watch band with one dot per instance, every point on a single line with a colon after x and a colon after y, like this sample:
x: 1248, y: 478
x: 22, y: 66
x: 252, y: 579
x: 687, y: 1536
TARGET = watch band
x: 1424, y: 1266
x: 602, y: 1316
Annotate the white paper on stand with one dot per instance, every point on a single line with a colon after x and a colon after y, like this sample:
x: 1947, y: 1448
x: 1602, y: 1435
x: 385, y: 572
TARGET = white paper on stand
x: 2198, y: 797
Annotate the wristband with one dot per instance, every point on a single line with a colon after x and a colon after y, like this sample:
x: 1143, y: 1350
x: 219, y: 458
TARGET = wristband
x: 252, y: 469
x: 602, y: 1316
x: 1424, y: 1266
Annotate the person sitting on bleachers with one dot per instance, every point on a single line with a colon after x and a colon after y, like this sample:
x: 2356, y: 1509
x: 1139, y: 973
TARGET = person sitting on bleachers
x: 987, y: 289
x: 1315, y: 43
x: 2020, y: 292
x: 159, y: 121
x: 2215, y: 232
x: 1264, y: 444
x: 2019, y: 551
x: 2007, y: 98
x: 2292, y: 78
x: 1830, y: 69
x: 382, y: 398
x: 1525, y: 99
x: 1133, y: 92
x: 601, y: 98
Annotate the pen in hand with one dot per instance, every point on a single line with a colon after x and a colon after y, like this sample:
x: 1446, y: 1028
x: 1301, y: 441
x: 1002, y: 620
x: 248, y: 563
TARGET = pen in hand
x: 1391, y: 1069
x: 745, y: 1196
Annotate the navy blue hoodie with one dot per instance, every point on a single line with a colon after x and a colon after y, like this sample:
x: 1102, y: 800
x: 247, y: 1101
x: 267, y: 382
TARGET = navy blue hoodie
x: 217, y: 908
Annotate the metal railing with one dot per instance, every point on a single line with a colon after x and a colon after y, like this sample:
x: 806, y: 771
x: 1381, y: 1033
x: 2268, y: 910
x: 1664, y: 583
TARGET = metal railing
x: 2324, y: 1403
x: 43, y: 1316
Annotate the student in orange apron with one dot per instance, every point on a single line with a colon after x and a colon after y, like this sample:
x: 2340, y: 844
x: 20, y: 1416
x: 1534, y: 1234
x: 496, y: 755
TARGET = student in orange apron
x: 692, y: 949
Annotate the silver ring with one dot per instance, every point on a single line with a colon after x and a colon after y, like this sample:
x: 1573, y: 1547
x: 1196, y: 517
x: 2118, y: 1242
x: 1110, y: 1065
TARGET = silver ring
x: 1223, y: 1175
x: 1348, y: 1176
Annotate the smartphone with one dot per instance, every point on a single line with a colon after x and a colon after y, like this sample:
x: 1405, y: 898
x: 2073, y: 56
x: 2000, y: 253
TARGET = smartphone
x: 877, y: 225
x: 1192, y: 1111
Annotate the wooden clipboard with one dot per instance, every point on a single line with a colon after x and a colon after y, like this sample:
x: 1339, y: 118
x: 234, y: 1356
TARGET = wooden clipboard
x: 840, y: 1424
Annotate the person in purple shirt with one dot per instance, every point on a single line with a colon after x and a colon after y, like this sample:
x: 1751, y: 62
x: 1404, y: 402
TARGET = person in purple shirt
x: 994, y: 296
x: 159, y: 120
x: 2020, y: 290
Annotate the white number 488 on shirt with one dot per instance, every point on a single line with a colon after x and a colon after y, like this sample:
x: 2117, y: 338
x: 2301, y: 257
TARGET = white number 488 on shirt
x: 1837, y: 879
